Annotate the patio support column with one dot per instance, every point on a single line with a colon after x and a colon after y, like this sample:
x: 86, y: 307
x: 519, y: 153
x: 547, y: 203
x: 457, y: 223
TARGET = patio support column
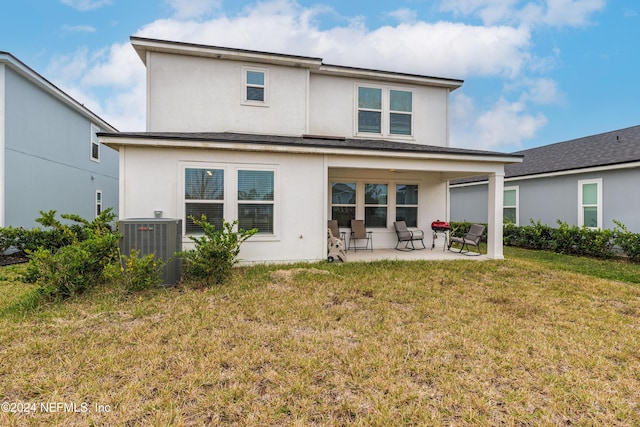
x: 494, y: 226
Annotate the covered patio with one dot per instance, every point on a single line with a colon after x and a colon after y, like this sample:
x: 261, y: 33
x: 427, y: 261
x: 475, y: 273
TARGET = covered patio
x: 437, y: 254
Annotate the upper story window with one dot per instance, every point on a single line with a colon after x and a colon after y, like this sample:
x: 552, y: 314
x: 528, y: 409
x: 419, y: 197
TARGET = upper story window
x: 255, y: 89
x: 95, y: 144
x: 369, y: 110
x: 385, y: 111
x: 400, y: 111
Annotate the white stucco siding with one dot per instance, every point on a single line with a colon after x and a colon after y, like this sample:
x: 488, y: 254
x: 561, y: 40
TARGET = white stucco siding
x: 333, y: 109
x: 153, y: 180
x: 193, y: 94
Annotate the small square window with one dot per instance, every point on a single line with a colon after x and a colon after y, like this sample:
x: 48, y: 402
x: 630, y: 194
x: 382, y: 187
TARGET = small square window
x: 255, y: 86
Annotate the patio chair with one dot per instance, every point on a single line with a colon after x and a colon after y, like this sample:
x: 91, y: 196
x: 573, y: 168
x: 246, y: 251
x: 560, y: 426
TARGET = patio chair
x: 335, y: 230
x: 408, y: 236
x: 472, y: 238
x: 358, y: 232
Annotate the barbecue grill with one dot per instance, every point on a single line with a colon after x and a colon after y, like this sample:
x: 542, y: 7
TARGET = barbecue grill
x: 439, y: 227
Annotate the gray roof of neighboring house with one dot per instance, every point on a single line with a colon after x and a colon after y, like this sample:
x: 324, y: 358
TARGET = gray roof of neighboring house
x: 308, y: 141
x: 610, y: 148
x: 605, y: 149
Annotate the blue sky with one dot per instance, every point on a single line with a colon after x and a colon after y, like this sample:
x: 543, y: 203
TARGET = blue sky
x: 535, y: 71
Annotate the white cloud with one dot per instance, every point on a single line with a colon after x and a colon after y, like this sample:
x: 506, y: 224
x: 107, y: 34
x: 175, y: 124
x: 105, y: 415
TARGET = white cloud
x: 84, y: 5
x: 188, y: 9
x: 503, y: 127
x: 79, y: 28
x: 404, y: 15
x: 445, y: 49
x: 556, y: 13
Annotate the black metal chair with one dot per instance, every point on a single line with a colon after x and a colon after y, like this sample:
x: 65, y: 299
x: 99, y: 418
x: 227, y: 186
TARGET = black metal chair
x: 408, y: 236
x: 472, y: 238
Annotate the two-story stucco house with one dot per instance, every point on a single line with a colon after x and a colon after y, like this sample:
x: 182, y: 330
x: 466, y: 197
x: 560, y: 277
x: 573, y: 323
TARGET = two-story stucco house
x: 50, y: 156
x: 284, y: 143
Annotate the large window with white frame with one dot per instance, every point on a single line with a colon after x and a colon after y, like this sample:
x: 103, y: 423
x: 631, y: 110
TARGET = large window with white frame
x: 407, y: 204
x: 343, y: 202
x: 358, y: 199
x: 375, y: 205
x: 203, y: 195
x: 384, y: 111
x: 255, y: 86
x: 510, y: 212
x: 590, y: 203
x: 95, y: 144
x: 256, y: 199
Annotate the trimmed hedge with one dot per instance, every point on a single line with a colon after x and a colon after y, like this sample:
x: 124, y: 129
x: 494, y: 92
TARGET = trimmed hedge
x: 566, y: 239
x: 574, y: 240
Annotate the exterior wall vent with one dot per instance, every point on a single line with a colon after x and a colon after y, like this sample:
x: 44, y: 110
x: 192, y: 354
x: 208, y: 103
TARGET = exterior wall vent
x: 159, y: 236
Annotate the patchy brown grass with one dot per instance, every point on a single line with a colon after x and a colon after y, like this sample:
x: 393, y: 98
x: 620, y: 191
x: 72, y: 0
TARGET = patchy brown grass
x: 386, y: 343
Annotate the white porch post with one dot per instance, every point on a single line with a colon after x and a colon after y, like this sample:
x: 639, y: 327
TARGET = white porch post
x: 496, y: 199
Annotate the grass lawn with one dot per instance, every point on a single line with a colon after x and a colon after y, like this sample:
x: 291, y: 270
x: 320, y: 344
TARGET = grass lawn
x: 525, y: 341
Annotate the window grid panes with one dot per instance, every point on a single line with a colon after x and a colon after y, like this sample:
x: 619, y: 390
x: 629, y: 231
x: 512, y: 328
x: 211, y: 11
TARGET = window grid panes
x: 510, y: 211
x: 98, y: 202
x: 204, y: 195
x: 375, y: 205
x: 255, y: 86
x: 343, y: 202
x: 256, y: 200
x: 407, y: 204
x: 401, y: 110
x: 590, y: 204
x: 95, y: 144
x: 385, y: 111
x: 369, y: 110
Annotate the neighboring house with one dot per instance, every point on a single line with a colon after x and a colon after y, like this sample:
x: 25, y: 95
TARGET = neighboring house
x: 50, y: 156
x: 283, y: 143
x: 588, y: 181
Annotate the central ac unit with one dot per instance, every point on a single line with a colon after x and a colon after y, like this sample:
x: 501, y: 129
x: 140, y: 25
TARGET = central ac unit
x: 159, y: 236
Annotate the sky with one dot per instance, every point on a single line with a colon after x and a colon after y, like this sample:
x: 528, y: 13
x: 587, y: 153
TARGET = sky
x: 535, y: 72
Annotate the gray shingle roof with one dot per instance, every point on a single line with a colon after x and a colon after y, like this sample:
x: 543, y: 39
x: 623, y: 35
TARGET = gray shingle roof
x: 308, y: 141
x: 610, y: 148
x: 605, y: 149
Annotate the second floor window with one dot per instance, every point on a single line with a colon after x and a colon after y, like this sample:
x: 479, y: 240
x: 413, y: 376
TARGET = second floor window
x: 385, y: 111
x: 95, y: 144
x: 255, y: 86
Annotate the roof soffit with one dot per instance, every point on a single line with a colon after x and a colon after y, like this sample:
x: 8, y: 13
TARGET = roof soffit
x: 142, y: 46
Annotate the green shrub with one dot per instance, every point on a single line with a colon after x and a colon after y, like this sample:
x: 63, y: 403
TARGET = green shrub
x: 573, y: 240
x: 55, y: 234
x: 628, y: 242
x: 87, y: 248
x: 215, y: 253
x: 73, y: 268
x: 136, y: 272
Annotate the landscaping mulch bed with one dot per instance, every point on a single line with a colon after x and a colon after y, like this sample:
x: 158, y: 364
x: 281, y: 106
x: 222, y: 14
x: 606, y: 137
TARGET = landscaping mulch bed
x: 14, y: 258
